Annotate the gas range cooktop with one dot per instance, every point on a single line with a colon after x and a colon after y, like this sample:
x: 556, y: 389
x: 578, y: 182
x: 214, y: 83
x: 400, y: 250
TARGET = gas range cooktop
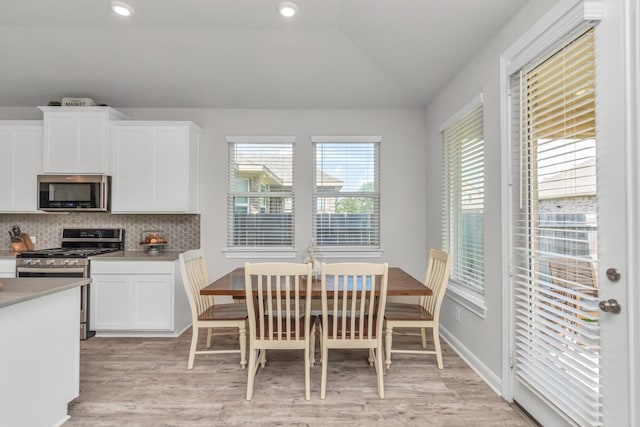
x: 65, y: 252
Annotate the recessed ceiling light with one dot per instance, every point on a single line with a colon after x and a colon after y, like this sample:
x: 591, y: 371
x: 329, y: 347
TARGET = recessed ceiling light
x: 121, y: 8
x: 287, y: 9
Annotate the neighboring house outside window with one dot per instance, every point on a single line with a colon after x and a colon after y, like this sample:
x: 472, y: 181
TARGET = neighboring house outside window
x: 346, y: 192
x: 260, y: 197
x: 263, y: 200
x: 463, y: 197
x: 241, y: 204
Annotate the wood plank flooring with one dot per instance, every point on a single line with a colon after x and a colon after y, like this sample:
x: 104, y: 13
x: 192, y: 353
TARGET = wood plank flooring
x: 145, y: 382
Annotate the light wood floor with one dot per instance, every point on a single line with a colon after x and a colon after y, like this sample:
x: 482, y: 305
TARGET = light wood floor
x: 145, y: 382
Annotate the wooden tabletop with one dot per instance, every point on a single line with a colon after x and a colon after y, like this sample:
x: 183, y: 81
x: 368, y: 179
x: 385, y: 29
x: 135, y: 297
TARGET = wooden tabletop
x: 400, y: 283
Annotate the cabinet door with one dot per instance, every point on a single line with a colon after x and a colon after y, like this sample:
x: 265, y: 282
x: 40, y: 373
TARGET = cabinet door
x: 110, y: 302
x: 7, y: 268
x: 92, y: 142
x: 75, y: 142
x: 21, y: 151
x: 131, y: 170
x: 153, y: 299
x: 152, y: 168
x: 169, y: 148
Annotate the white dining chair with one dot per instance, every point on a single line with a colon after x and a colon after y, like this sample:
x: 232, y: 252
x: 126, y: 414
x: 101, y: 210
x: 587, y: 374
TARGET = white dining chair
x: 352, y: 315
x: 425, y: 314
x: 206, y: 314
x: 279, y: 314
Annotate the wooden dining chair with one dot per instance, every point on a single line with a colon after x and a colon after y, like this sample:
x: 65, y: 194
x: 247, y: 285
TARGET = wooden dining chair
x: 279, y: 314
x: 576, y: 283
x: 206, y: 314
x: 425, y: 314
x: 352, y: 316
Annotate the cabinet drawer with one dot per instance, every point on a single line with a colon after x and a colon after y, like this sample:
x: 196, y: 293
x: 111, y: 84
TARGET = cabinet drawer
x: 132, y: 267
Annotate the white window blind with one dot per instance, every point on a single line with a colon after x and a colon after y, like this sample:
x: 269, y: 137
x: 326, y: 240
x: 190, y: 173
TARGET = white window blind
x: 555, y: 235
x: 346, y: 192
x: 463, y: 198
x: 260, y: 198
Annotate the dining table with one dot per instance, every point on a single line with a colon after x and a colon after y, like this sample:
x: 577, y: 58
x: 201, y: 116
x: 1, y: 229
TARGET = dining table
x: 399, y: 283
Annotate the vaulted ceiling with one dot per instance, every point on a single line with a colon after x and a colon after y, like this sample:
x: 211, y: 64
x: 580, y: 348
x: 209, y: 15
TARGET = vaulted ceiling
x: 240, y: 53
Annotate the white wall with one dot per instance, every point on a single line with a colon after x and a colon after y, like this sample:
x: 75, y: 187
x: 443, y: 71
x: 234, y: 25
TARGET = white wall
x: 481, y: 338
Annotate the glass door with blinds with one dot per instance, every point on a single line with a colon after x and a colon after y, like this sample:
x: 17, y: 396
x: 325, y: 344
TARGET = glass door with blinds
x: 557, y: 349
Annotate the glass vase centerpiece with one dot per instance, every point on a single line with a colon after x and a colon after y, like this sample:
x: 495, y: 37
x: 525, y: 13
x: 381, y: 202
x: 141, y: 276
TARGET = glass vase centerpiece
x: 310, y: 255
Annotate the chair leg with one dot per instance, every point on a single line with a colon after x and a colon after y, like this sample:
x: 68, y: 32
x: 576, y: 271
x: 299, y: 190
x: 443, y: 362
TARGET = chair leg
x: 194, y: 343
x: 251, y: 371
x: 323, y: 383
x: 436, y: 341
x: 372, y: 357
x: 242, y: 331
x: 320, y: 339
x: 263, y: 357
x: 307, y: 373
x: 312, y: 345
x: 388, y: 341
x: 379, y: 371
x: 209, y: 336
x: 423, y: 334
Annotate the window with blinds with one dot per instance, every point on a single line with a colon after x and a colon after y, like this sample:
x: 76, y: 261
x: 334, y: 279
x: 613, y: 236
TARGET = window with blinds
x: 260, y: 199
x: 555, y: 230
x: 463, y: 197
x: 346, y: 192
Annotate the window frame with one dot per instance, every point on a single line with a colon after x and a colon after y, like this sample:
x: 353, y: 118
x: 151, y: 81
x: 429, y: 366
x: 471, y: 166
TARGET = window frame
x: 463, y: 294
x: 261, y: 252
x: 346, y: 251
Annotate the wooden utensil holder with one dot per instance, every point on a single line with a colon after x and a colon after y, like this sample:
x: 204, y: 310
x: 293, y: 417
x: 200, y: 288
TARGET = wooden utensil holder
x: 25, y: 244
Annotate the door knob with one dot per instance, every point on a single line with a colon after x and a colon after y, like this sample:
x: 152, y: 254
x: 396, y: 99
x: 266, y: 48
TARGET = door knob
x: 613, y: 274
x: 610, y: 306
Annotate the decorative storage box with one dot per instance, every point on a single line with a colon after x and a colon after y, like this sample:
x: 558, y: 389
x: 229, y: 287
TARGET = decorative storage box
x: 78, y: 102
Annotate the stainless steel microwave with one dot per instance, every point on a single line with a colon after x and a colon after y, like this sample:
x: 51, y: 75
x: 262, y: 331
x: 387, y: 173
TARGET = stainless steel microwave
x: 64, y: 193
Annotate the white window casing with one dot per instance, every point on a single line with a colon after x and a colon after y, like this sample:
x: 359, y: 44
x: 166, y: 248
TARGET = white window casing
x: 260, y: 201
x: 346, y: 195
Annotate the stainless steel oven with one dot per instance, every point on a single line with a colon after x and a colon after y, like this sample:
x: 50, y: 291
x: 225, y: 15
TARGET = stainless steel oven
x: 72, y: 260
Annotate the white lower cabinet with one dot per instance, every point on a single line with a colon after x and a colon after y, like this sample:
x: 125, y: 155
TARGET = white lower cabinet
x: 137, y: 298
x: 7, y: 268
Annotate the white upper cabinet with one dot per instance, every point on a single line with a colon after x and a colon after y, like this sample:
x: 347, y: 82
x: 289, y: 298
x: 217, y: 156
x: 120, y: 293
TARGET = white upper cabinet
x: 75, y: 139
x: 155, y: 167
x: 21, y: 154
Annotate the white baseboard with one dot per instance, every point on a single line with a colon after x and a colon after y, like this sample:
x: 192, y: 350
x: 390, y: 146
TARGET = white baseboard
x: 476, y: 364
x: 137, y: 334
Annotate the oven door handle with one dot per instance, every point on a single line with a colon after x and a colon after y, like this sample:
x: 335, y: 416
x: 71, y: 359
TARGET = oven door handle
x: 50, y: 270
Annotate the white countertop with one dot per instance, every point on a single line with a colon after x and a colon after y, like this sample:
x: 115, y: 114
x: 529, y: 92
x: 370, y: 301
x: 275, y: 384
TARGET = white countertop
x: 7, y: 254
x: 15, y: 291
x: 138, y: 256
